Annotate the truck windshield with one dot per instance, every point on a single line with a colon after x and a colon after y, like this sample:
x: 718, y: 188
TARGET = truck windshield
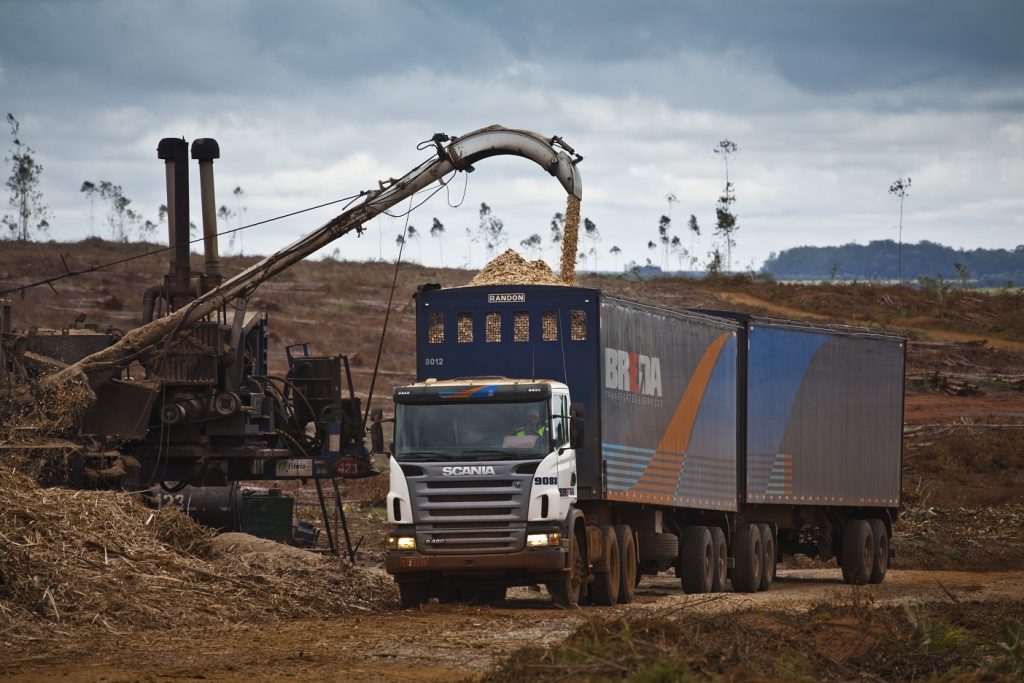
x: 472, y: 431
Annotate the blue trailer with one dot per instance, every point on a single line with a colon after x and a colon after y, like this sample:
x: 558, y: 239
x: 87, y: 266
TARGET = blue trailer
x: 708, y: 441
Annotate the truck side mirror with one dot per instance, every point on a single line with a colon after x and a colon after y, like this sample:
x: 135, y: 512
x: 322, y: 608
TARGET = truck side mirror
x: 377, y: 437
x: 377, y: 430
x: 576, y: 425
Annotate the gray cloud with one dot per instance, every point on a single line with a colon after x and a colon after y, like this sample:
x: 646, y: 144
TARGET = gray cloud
x: 828, y: 101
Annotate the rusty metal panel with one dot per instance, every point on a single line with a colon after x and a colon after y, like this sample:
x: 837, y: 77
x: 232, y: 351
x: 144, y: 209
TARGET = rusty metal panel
x: 824, y: 415
x: 192, y: 358
x: 668, y: 406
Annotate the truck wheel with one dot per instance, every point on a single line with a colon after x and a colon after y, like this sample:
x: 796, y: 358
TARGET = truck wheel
x: 768, y: 561
x: 748, y: 551
x: 565, y: 592
x: 629, y: 575
x: 604, y: 589
x: 858, y: 551
x: 697, y: 560
x: 413, y: 593
x: 720, y: 577
x: 880, y: 537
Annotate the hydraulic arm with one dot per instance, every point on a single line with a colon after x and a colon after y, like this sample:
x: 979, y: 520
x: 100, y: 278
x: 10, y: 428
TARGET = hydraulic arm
x: 453, y: 154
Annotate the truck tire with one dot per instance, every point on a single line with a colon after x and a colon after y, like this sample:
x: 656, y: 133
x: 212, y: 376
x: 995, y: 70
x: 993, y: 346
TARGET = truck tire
x: 413, y: 593
x: 697, y: 560
x: 721, y: 576
x: 604, y: 589
x: 768, y: 554
x: 880, y: 537
x: 565, y: 592
x: 629, y: 575
x: 748, y: 551
x: 858, y: 551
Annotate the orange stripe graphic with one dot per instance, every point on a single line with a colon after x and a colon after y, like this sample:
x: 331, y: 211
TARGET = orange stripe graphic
x: 674, y: 442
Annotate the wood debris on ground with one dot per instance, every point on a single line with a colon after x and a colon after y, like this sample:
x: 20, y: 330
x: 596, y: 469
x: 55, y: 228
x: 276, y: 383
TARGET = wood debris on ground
x: 99, y: 559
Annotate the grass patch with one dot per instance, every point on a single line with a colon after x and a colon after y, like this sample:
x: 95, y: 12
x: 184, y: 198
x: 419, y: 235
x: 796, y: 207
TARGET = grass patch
x: 854, y: 640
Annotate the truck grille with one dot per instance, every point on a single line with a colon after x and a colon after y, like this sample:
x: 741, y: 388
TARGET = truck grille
x: 461, y: 514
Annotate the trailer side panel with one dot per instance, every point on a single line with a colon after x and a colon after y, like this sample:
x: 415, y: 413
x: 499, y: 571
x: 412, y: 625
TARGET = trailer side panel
x: 824, y: 416
x: 668, y: 407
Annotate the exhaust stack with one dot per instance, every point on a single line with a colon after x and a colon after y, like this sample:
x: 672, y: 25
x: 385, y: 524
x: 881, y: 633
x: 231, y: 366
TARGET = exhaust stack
x: 205, y: 150
x: 178, y: 282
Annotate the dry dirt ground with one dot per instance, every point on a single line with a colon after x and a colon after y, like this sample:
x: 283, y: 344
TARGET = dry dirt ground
x: 449, y: 642
x: 961, y: 538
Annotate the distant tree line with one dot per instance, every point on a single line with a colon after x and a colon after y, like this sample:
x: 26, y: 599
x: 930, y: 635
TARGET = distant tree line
x: 879, y: 260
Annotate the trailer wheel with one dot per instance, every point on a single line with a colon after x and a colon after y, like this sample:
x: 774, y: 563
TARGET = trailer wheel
x: 858, y: 551
x: 880, y: 537
x: 604, y: 589
x: 565, y: 592
x: 748, y: 551
x: 697, y: 560
x: 768, y: 556
x: 629, y: 576
x: 413, y: 593
x: 720, y: 577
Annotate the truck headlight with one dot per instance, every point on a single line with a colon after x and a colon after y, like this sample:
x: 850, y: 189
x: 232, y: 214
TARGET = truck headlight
x: 401, y: 543
x: 543, y: 540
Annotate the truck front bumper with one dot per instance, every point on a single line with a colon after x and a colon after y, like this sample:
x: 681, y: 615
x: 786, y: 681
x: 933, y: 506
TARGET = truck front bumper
x: 542, y: 563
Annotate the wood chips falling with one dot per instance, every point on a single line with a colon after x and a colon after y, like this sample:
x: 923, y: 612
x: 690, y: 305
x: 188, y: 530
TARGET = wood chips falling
x: 512, y: 269
x: 570, y: 239
x: 72, y: 560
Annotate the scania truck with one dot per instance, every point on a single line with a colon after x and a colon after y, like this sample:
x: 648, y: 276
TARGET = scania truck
x: 708, y: 442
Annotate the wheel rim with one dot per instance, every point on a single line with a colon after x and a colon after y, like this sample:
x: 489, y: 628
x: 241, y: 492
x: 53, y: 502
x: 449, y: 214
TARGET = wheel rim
x: 868, y: 558
x: 709, y: 563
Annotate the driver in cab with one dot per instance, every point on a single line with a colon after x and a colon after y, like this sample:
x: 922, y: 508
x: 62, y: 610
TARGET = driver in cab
x: 533, y: 426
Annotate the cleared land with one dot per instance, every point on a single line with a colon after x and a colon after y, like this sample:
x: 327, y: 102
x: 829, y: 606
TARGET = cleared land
x: 90, y: 589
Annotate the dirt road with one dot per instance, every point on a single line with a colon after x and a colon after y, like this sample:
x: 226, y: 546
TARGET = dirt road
x: 442, y: 642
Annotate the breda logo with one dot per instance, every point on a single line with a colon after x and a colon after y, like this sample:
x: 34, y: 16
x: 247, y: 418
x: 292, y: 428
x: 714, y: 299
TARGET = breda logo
x: 632, y: 372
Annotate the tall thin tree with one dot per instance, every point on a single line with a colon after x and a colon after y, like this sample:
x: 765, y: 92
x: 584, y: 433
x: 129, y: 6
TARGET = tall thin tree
x: 900, y: 188
x: 437, y: 232
x: 30, y: 213
x: 726, y: 225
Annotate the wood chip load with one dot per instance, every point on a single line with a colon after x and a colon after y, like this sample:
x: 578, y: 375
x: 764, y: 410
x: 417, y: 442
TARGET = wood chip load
x: 512, y: 269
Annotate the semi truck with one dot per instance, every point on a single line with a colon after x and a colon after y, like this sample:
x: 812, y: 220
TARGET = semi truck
x: 563, y: 436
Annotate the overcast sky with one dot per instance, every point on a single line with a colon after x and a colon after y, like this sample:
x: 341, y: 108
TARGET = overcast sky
x: 829, y: 103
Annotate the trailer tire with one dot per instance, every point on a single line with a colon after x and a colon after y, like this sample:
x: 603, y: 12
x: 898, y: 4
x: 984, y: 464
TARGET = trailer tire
x: 565, y: 592
x: 697, y: 560
x: 721, y: 576
x: 413, y: 593
x: 880, y: 537
x: 768, y: 555
x: 858, y: 551
x: 629, y: 575
x: 604, y: 589
x: 748, y: 551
